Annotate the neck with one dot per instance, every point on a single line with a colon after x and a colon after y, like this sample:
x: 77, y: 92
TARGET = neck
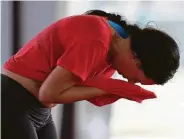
x: 119, y: 46
x: 112, y: 50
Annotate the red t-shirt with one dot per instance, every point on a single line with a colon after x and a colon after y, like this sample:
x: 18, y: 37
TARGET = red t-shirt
x: 77, y: 43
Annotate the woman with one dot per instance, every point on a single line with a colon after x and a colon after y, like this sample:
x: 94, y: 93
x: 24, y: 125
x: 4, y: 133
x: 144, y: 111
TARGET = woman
x: 54, y: 66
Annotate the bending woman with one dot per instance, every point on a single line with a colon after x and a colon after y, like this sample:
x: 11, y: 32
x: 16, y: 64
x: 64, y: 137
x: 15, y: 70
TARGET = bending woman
x: 49, y: 69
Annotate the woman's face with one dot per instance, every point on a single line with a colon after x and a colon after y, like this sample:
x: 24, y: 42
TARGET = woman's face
x: 128, y: 66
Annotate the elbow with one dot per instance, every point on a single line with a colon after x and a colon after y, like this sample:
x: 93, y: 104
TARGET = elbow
x: 48, y: 96
x: 45, y: 96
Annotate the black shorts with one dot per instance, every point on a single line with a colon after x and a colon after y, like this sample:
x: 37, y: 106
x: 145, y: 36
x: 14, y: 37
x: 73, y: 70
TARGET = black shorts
x: 22, y: 115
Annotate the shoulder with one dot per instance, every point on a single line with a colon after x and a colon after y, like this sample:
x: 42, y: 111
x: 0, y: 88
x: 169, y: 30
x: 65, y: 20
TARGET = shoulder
x: 83, y: 20
x: 86, y: 27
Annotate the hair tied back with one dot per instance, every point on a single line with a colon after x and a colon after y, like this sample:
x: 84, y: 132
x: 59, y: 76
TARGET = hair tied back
x: 152, y: 24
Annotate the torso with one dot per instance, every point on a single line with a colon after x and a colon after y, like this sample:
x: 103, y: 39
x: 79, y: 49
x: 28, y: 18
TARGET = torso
x: 31, y: 84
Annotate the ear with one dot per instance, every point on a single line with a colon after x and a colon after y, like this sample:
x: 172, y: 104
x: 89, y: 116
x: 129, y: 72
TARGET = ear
x: 138, y: 63
x: 136, y: 60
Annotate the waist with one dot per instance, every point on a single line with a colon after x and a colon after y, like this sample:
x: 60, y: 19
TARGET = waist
x: 31, y: 85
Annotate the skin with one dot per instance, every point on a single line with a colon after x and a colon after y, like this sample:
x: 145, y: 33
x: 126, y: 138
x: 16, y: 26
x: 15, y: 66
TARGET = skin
x: 122, y: 59
x: 60, y: 86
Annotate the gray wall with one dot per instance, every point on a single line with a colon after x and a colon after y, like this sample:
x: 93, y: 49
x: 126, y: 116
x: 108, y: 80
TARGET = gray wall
x: 34, y: 16
x: 6, y: 30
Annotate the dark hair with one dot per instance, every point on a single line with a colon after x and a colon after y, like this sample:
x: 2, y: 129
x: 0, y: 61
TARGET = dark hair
x: 157, y: 51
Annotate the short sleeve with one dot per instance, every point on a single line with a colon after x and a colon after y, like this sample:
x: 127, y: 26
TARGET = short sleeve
x: 108, y: 72
x: 83, y: 58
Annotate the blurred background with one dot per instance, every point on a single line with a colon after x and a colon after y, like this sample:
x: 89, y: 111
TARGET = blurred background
x: 162, y: 118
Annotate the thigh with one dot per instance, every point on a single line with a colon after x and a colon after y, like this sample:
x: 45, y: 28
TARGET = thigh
x: 47, y: 132
x: 17, y: 126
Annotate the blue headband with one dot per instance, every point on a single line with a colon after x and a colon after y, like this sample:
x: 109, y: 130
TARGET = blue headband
x: 121, y: 31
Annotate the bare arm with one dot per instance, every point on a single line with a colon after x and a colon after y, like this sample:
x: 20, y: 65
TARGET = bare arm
x: 60, y: 87
x: 76, y: 93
